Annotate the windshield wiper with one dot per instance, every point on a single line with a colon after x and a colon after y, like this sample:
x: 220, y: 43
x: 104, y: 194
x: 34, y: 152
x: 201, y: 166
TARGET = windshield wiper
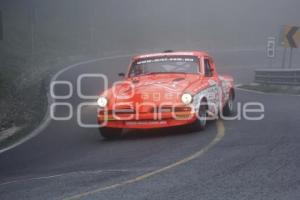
x: 153, y: 73
x: 149, y: 73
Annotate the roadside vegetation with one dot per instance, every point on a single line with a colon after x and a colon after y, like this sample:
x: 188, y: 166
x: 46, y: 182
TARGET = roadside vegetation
x: 31, y: 51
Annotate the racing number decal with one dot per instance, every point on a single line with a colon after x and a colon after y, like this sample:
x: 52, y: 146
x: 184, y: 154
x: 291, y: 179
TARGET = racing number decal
x: 213, y: 98
x: 212, y: 94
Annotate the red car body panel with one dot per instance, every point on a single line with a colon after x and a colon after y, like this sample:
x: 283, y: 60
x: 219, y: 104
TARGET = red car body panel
x: 154, y: 100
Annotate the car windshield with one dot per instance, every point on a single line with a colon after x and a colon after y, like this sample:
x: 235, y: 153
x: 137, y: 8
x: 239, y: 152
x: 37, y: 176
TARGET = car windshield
x: 157, y: 65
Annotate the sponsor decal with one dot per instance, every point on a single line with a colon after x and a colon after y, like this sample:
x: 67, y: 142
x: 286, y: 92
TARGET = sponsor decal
x: 145, y: 122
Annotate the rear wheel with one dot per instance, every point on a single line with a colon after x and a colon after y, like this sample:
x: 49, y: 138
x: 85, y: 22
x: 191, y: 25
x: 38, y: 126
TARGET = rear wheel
x: 110, y: 133
x: 228, y: 108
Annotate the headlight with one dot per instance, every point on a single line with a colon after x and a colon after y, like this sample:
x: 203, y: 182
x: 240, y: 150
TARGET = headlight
x: 186, y: 98
x: 102, y: 101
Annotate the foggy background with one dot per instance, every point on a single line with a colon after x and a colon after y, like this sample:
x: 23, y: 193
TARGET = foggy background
x: 42, y: 36
x: 97, y: 26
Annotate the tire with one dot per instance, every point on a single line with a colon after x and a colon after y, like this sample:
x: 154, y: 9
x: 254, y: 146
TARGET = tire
x: 110, y: 133
x: 201, y: 120
x: 228, y: 108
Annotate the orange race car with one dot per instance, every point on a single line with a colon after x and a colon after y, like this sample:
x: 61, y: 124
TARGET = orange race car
x: 165, y: 89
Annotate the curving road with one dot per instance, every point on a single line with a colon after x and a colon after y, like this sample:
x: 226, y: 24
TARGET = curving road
x: 237, y: 159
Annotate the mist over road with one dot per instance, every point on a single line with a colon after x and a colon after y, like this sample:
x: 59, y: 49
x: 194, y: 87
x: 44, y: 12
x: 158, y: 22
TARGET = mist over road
x: 250, y: 160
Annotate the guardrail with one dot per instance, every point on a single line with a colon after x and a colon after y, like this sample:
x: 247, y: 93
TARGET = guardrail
x: 278, y: 76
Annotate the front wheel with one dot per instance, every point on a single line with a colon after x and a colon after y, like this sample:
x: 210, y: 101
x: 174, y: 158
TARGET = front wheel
x: 201, y: 120
x: 110, y: 133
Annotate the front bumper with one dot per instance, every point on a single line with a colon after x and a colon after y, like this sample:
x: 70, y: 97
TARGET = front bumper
x: 146, y: 120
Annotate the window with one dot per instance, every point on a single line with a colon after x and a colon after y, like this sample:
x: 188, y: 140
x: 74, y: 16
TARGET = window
x: 165, y: 65
x: 208, y: 69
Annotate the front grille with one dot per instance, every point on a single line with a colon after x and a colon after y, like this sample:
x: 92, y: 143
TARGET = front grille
x: 163, y: 109
x: 174, y: 109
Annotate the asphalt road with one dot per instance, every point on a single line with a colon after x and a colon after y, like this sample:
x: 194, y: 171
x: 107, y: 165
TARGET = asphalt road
x: 242, y: 160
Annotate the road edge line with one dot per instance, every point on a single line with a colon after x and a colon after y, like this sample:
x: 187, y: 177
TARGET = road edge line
x: 46, y: 119
x: 220, y: 134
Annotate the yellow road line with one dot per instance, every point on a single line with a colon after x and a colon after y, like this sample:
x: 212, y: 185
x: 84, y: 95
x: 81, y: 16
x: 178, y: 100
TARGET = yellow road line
x: 218, y: 137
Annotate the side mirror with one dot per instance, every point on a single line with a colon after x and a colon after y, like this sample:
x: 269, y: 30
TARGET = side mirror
x: 121, y: 74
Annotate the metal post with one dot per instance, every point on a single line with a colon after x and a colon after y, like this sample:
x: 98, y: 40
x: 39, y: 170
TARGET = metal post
x: 271, y: 62
x: 92, y: 27
x: 291, y: 58
x: 32, y: 31
x: 1, y: 26
x: 283, y: 58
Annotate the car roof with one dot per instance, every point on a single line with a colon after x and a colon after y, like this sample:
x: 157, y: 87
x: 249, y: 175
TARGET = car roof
x: 168, y: 53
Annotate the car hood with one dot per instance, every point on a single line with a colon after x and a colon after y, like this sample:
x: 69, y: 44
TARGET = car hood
x: 156, y: 88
